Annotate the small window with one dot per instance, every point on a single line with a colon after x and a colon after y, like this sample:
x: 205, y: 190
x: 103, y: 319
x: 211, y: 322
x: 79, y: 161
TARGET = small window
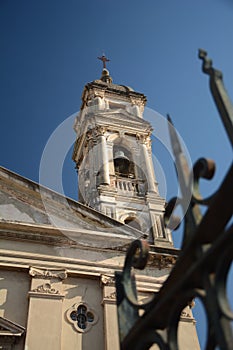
x: 81, y: 317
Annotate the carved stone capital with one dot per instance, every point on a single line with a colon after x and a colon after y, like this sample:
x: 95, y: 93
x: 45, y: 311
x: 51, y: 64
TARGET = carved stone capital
x: 136, y: 101
x: 144, y: 139
x: 108, y: 280
x: 47, y: 274
x: 96, y: 93
x: 121, y: 133
x: 100, y: 130
x: 89, y: 134
x: 161, y: 261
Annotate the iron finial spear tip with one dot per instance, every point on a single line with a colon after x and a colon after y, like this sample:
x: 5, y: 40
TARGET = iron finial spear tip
x: 202, y: 54
x: 207, y: 65
x: 174, y: 138
x: 206, y: 61
x: 169, y: 118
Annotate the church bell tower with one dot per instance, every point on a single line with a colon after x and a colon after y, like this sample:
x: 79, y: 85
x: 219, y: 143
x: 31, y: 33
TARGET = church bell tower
x: 113, y: 156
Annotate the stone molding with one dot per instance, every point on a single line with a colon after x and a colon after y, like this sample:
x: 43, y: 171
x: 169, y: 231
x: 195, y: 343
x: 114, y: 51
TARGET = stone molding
x: 162, y: 261
x: 109, y: 298
x: 52, y: 285
x: 186, y: 316
x: 118, y: 235
x: 98, y: 88
x: 9, y: 328
x: 74, y: 266
x: 112, y: 120
x: 99, y: 130
x: 47, y: 274
x: 36, y: 237
x: 144, y: 139
x: 108, y: 280
x: 45, y: 289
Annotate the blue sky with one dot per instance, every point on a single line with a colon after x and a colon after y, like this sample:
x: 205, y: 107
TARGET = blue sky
x: 49, y: 51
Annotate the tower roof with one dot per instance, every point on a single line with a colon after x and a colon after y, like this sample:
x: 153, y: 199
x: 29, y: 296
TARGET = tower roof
x: 105, y: 87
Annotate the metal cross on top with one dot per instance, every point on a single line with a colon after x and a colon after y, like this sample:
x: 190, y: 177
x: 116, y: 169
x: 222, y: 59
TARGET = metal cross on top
x: 104, y: 59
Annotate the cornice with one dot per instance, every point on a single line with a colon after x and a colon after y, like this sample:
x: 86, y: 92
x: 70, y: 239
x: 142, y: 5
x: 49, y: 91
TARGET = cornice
x: 121, y: 91
x: 36, y: 233
x: 107, y: 239
x: 115, y: 120
x: 162, y: 261
x: 144, y: 283
x: 74, y: 266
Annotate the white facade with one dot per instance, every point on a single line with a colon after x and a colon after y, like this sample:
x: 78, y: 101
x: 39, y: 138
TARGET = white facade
x: 114, y: 160
x: 59, y: 256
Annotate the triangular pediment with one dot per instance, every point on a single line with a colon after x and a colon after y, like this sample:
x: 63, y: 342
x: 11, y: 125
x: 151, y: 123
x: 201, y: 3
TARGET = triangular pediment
x: 32, y: 212
x: 125, y: 116
x: 9, y: 328
x: 119, y: 117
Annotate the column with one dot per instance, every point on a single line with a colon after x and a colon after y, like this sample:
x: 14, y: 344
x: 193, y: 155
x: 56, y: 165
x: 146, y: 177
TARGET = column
x: 152, y: 188
x: 104, y: 178
x: 45, y: 309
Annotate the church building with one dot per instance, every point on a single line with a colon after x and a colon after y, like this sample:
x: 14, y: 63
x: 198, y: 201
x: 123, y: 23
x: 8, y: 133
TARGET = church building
x: 58, y: 256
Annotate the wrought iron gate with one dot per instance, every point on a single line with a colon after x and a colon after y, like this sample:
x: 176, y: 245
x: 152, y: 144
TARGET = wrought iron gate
x: 204, y: 261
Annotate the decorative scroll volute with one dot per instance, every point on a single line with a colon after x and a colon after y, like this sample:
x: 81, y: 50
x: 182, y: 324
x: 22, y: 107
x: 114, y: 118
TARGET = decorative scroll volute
x: 47, y: 274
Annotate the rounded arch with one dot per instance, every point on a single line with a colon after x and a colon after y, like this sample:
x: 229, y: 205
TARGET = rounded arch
x: 133, y: 222
x: 122, y: 139
x: 113, y: 137
x: 137, y: 217
x: 123, y: 158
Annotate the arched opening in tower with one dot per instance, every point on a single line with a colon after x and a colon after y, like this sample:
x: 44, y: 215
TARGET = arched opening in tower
x: 123, y: 164
x: 133, y: 223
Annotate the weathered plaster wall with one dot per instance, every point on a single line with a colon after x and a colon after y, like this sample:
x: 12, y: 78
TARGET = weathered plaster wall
x: 14, y: 286
x: 87, y: 291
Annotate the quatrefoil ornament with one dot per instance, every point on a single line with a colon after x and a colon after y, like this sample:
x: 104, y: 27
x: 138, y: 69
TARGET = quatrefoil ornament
x: 82, y: 317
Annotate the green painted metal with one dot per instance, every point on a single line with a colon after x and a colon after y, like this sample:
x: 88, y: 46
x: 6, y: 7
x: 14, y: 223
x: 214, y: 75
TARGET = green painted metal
x: 205, y: 258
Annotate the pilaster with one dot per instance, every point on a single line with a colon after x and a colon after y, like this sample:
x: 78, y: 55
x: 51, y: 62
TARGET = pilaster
x: 110, y: 319
x: 45, y: 309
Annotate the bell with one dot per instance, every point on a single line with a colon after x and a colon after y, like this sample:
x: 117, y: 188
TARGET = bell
x: 121, y: 163
x: 121, y: 155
